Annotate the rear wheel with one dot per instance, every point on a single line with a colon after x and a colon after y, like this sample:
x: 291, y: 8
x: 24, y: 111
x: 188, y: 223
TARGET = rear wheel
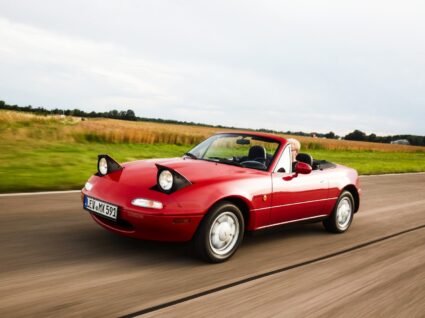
x: 220, y: 233
x: 342, y: 216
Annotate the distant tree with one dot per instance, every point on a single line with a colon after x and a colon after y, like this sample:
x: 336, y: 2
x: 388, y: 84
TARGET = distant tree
x: 416, y: 140
x: 385, y: 139
x: 356, y: 135
x: 77, y: 113
x: 130, y: 115
x: 121, y: 114
x: 330, y: 135
x: 372, y: 138
x: 113, y: 114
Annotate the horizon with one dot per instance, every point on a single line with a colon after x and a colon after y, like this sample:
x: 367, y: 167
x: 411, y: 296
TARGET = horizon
x: 174, y: 121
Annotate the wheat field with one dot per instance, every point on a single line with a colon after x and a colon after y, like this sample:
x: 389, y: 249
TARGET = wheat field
x: 22, y: 126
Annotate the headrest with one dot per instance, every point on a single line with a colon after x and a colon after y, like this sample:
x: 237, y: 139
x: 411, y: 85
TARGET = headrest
x: 305, y: 157
x: 257, y: 152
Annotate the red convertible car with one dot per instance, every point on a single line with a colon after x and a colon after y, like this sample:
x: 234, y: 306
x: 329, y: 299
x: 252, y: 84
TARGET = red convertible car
x: 228, y: 184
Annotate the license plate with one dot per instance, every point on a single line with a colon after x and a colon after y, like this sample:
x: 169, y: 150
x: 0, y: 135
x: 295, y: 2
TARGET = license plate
x: 100, y: 207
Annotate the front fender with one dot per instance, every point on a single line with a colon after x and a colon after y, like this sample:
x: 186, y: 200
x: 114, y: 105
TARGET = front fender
x: 254, y: 192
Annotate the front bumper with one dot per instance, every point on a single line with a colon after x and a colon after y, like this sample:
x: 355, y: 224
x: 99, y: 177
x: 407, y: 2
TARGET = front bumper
x: 150, y: 226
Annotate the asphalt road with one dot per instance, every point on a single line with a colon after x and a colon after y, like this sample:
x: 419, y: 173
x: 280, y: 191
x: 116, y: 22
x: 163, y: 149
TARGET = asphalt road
x: 56, y: 262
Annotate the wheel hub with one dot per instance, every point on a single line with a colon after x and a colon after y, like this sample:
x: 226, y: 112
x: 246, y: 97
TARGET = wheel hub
x: 344, y: 213
x: 224, y: 233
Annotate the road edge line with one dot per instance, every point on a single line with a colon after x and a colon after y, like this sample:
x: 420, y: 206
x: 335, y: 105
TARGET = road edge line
x: 390, y: 174
x: 37, y: 193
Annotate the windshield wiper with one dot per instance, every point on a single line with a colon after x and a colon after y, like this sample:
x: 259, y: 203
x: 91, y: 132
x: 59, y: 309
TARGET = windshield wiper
x: 191, y: 155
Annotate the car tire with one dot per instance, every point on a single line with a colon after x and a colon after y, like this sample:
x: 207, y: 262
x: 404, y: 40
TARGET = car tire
x: 342, y: 215
x: 220, y: 233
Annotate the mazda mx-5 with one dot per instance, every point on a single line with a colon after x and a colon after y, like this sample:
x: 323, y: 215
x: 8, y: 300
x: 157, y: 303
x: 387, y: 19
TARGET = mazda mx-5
x: 227, y: 185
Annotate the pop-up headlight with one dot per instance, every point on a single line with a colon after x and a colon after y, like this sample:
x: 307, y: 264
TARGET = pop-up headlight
x: 106, y: 164
x: 169, y: 181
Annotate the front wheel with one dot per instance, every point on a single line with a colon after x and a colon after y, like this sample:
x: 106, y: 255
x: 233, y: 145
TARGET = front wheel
x: 220, y: 233
x: 342, y: 216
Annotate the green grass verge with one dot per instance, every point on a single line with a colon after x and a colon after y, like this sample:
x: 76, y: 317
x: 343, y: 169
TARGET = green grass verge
x: 375, y: 162
x: 42, y: 165
x: 61, y: 166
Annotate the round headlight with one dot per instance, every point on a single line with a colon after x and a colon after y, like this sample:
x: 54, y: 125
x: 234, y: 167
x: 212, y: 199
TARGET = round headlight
x: 165, y: 180
x: 103, y: 166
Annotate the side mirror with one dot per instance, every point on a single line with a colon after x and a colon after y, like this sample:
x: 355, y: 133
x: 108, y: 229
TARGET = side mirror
x: 302, y: 168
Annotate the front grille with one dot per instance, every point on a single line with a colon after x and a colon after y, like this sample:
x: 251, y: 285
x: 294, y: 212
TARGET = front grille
x: 120, y: 224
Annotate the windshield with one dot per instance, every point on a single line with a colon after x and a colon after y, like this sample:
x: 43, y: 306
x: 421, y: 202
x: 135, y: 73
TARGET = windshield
x: 237, y: 149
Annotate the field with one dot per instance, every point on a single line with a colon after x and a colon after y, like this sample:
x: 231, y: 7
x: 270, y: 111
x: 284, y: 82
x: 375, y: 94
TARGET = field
x: 55, y: 153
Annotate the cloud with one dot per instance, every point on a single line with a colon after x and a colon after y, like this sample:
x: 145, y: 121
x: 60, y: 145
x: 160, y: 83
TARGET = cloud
x: 281, y: 65
x: 44, y: 63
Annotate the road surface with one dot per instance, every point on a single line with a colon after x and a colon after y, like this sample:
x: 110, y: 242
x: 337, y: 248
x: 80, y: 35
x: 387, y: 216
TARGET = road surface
x: 56, y: 262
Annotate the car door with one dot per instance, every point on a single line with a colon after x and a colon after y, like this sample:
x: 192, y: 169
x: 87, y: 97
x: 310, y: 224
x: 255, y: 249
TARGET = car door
x: 296, y: 197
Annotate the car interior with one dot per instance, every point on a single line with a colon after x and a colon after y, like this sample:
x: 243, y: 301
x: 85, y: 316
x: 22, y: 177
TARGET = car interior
x: 258, y: 158
x: 315, y: 164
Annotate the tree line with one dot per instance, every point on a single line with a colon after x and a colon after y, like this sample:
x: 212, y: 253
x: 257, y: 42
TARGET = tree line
x: 361, y: 136
x: 130, y: 115
x: 114, y: 114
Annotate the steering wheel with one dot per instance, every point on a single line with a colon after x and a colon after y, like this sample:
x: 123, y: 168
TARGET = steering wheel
x: 253, y: 164
x: 259, y: 159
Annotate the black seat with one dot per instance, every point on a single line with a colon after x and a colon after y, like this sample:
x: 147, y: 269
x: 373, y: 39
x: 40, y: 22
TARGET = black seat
x: 306, y: 158
x: 257, y: 153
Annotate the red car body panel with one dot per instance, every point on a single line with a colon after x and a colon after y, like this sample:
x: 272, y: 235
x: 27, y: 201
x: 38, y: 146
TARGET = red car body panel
x: 267, y: 198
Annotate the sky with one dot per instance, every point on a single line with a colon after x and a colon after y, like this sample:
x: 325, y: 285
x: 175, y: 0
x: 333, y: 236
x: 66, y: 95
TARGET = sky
x: 313, y: 66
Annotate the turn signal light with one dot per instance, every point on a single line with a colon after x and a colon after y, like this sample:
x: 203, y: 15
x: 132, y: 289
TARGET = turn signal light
x: 145, y: 203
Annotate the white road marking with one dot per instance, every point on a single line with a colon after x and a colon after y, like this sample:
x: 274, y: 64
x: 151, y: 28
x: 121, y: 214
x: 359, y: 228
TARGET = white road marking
x: 37, y: 193
x: 390, y: 174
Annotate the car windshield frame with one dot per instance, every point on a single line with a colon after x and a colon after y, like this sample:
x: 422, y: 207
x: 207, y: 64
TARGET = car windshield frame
x: 199, y: 151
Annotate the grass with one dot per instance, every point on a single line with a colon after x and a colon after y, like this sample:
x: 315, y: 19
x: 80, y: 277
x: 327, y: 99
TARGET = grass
x: 52, y: 153
x: 62, y: 166
x: 375, y: 162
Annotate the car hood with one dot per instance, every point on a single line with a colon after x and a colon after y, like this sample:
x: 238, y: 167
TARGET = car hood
x: 138, y: 179
x: 193, y: 170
